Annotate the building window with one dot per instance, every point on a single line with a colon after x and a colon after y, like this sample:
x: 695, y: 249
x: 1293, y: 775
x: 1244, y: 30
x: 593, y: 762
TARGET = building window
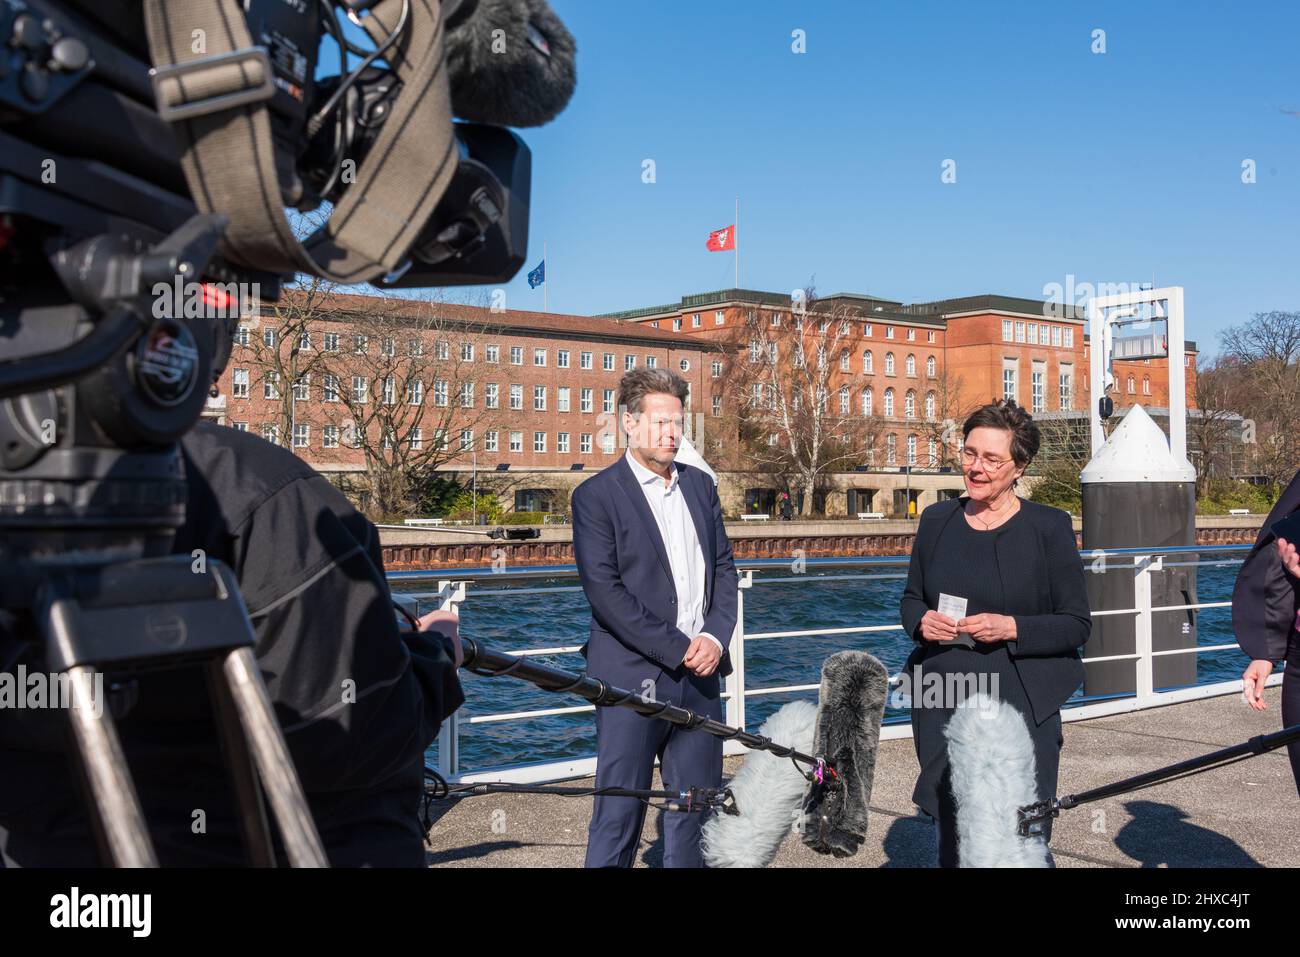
x: 360, y: 345
x: 889, y: 332
x: 539, y: 357
x: 491, y: 441
x: 889, y: 363
x: 1056, y: 336
x: 271, y: 385
x: 607, y: 404
x: 1037, y: 386
x: 360, y: 389
x: 629, y: 363
x: 494, y: 354
x: 1069, y: 337
x: 717, y: 368
x: 911, y: 335
x: 562, y: 359
x: 1033, y: 332
x: 467, y: 395
x: 467, y: 352
x: 584, y: 443
x: 1146, y: 385
x: 268, y: 337
x: 387, y: 346
x: 539, y: 441
x: 302, y: 389
x: 539, y: 398
x: 271, y: 433
x: 677, y: 325
x: 516, y: 355
x: 584, y: 400
x: 241, y: 336
x: 562, y: 443
x: 417, y: 440
x: 607, y: 443
x: 931, y: 366
x: 1131, y: 389
x: 440, y: 393
x: 584, y: 360
x: 330, y: 388
x: 695, y: 321
x: 492, y: 396
x: 331, y: 342
x: 330, y: 437
x: 910, y: 365
x: 929, y: 405
x: 866, y: 330
x: 911, y: 450
x: 909, y: 404
x: 891, y: 449
x: 868, y: 366
x: 1007, y: 330
x: 866, y: 401
x: 239, y: 383
x: 607, y: 362
x: 387, y: 390
x: 1008, y: 378
x: 517, y: 397
x: 889, y: 403
x: 1065, y: 385
x: 516, y: 441
x: 929, y: 335
x: 844, y: 400
x: 239, y: 426
x: 466, y: 439
x: 415, y: 392
x: 717, y: 405
x: 562, y: 399
x: 684, y: 365
x: 1044, y: 335
x: 301, y: 431
x: 304, y: 340
x: 1020, y: 332
x: 651, y: 362
x: 719, y: 318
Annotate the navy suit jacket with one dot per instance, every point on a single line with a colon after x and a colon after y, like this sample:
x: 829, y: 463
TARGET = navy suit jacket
x: 625, y: 573
x: 1265, y: 597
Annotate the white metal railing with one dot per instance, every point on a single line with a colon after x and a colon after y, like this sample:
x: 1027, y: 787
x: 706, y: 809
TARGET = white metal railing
x: 452, y: 591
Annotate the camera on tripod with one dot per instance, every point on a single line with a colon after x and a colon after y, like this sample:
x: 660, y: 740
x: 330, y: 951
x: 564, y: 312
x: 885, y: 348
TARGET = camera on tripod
x: 149, y: 150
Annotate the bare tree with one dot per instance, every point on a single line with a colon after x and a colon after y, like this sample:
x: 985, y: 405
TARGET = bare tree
x: 944, y: 409
x: 1268, y: 350
x: 1214, y: 427
x: 801, y: 418
x: 412, y: 389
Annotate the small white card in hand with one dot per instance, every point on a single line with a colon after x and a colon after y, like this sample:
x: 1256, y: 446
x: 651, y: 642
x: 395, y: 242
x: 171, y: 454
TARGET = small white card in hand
x: 954, y: 608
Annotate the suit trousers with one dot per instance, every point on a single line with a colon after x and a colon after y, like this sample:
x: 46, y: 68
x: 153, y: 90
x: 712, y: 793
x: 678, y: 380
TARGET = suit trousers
x: 627, y: 744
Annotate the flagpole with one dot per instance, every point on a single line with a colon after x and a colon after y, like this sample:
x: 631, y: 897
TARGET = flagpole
x: 737, y: 240
x: 546, y: 281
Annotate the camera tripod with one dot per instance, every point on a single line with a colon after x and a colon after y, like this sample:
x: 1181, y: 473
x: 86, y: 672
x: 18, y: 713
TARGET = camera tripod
x: 154, y: 613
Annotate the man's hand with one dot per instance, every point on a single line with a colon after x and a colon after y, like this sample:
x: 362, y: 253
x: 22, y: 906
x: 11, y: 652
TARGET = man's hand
x: 989, y: 628
x: 702, y: 656
x: 445, y: 623
x: 937, y: 627
x: 1252, y: 682
x: 1286, y: 551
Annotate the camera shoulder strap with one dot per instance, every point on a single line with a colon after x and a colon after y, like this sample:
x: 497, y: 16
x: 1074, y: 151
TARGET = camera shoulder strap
x: 214, y: 85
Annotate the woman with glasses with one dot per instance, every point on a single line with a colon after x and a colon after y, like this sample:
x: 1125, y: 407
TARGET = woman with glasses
x: 1015, y: 567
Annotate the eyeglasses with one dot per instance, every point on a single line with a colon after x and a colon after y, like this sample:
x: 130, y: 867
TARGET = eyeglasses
x: 968, y: 458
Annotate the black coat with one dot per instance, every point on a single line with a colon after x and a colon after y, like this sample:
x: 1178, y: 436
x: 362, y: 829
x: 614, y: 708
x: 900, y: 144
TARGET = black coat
x: 1043, y: 588
x: 1265, y: 597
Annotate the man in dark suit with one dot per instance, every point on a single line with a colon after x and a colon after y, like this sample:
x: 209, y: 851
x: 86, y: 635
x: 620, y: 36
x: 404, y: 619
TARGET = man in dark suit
x: 656, y: 565
x: 1264, y: 606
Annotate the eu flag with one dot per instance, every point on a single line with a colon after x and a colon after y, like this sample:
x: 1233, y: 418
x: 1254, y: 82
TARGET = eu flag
x: 538, y: 275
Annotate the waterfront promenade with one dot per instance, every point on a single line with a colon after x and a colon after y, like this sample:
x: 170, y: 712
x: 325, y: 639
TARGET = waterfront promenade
x: 1244, y: 815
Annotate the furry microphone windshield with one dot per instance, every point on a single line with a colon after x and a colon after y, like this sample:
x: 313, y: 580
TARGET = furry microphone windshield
x: 850, y: 710
x: 992, y: 760
x: 767, y: 791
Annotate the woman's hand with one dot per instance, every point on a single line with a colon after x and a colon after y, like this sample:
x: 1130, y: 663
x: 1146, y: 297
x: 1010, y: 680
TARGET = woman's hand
x: 1252, y: 682
x: 446, y: 623
x: 937, y: 627
x: 989, y: 627
x: 1286, y: 551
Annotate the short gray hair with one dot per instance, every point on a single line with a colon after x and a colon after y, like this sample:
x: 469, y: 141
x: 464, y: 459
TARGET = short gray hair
x: 639, y: 383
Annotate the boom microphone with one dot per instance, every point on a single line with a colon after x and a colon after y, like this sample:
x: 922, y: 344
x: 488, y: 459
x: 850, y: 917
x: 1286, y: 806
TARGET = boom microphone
x: 844, y: 733
x: 509, y: 62
x: 993, y: 775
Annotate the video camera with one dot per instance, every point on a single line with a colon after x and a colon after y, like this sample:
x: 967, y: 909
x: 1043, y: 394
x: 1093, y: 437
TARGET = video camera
x: 149, y: 150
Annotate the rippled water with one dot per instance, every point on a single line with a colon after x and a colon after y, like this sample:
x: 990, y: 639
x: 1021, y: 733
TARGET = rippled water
x: 514, y: 616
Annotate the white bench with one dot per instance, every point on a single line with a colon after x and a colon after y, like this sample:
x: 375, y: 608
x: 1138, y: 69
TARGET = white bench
x: 422, y: 521
x: 863, y: 516
x: 1238, y: 511
x: 754, y: 518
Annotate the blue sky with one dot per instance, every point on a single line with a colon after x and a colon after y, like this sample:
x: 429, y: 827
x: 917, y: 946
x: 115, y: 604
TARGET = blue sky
x: 1111, y: 167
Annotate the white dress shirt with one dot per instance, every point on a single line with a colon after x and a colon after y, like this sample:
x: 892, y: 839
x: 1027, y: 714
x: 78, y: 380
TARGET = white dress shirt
x: 681, y: 542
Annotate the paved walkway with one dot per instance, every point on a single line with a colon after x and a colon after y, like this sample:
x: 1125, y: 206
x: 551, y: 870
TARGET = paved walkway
x: 1243, y: 815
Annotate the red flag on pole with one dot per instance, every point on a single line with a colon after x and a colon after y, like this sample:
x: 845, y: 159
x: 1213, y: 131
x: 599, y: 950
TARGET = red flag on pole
x: 722, y: 240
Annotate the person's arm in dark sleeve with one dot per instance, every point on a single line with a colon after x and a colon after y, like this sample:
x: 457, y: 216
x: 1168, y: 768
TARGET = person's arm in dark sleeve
x: 357, y: 700
x: 721, y: 619
x: 1067, y: 627
x: 616, y: 609
x: 1264, y: 597
x: 912, y: 607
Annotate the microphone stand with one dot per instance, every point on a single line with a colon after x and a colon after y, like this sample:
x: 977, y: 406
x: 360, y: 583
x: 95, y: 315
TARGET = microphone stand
x: 1033, y: 814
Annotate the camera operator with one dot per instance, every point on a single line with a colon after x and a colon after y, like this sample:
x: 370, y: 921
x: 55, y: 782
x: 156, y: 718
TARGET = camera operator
x: 358, y: 701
